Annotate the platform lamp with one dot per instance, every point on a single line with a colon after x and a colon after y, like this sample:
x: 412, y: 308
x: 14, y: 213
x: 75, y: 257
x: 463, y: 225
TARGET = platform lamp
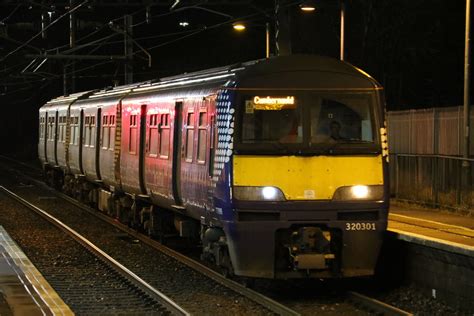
x: 308, y: 6
x: 240, y: 27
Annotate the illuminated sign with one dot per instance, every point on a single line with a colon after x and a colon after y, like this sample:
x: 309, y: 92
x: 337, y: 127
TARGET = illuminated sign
x: 270, y: 100
x: 270, y: 103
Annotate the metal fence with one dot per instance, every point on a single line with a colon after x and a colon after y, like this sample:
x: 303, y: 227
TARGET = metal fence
x: 434, y: 180
x: 425, y: 157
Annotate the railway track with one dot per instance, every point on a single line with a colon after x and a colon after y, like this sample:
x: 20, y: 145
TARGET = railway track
x: 361, y: 302
x: 145, y: 298
x: 145, y: 265
x: 375, y: 306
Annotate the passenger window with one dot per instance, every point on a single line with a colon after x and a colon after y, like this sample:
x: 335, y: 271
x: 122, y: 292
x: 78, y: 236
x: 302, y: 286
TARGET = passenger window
x: 105, y: 132
x: 190, y: 137
x: 62, y: 129
x: 164, y: 136
x: 153, y: 136
x: 72, y: 137
x: 92, y: 128
x: 202, y: 140
x: 41, y: 132
x: 132, y: 145
x: 52, y: 129
x: 86, y: 131
x: 111, y: 132
x: 89, y: 131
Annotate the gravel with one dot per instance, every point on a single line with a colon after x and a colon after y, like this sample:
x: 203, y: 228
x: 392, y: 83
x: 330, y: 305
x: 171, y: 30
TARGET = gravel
x: 85, y: 283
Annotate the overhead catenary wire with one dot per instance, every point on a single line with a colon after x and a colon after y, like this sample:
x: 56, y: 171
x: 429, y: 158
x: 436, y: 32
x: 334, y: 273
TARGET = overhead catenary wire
x: 187, y: 35
x: 47, y: 27
x: 18, y: 42
x: 102, y: 27
x: 196, y: 31
x: 10, y: 15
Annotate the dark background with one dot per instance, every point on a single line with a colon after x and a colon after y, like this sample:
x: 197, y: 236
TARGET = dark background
x: 414, y: 48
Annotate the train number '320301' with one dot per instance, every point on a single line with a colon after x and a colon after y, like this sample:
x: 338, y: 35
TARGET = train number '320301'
x: 360, y: 226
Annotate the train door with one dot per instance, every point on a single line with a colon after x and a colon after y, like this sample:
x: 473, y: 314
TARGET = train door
x: 141, y: 149
x: 97, y: 142
x: 195, y: 155
x: 46, y: 135
x: 56, y: 131
x: 176, y: 168
x: 81, y: 135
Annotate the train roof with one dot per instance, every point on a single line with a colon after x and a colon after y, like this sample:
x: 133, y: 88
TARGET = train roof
x: 305, y: 72
x: 65, y: 101
x: 301, y: 71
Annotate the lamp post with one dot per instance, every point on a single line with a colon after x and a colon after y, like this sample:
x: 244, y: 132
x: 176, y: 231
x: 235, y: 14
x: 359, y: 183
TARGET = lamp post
x: 343, y: 13
x: 267, y: 40
x: 467, y: 80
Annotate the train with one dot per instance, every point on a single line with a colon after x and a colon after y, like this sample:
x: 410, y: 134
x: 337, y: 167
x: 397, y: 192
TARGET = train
x: 277, y: 168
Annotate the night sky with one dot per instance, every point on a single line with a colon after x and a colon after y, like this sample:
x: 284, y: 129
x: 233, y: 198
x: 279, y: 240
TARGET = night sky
x: 414, y: 48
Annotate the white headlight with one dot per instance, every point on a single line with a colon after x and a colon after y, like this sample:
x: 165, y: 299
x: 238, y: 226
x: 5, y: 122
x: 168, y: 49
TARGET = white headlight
x: 258, y: 194
x: 269, y: 193
x: 360, y: 191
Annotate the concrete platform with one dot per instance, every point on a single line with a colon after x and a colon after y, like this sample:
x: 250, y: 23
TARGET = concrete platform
x: 23, y: 290
x: 434, y: 228
x: 434, y: 250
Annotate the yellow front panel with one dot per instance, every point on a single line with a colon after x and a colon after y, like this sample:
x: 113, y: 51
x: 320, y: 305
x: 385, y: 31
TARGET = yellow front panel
x: 307, y: 178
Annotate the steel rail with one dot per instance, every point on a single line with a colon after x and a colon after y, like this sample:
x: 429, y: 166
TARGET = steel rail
x: 169, y: 304
x: 375, y: 305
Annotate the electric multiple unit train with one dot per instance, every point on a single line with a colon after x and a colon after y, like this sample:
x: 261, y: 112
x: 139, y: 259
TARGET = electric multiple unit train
x: 278, y: 167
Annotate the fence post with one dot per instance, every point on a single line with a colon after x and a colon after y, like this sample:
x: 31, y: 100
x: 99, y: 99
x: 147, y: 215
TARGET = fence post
x: 458, y: 164
x: 435, y: 161
x: 397, y: 171
x: 436, y: 181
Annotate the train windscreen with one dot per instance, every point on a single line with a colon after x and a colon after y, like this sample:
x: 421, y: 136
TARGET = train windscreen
x: 306, y: 119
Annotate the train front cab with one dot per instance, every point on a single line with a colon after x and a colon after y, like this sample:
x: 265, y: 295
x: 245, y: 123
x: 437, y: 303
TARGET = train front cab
x: 309, y: 181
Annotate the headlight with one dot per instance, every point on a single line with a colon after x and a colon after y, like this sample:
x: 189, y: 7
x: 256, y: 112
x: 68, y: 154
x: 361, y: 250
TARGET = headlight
x: 359, y: 193
x: 258, y: 194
